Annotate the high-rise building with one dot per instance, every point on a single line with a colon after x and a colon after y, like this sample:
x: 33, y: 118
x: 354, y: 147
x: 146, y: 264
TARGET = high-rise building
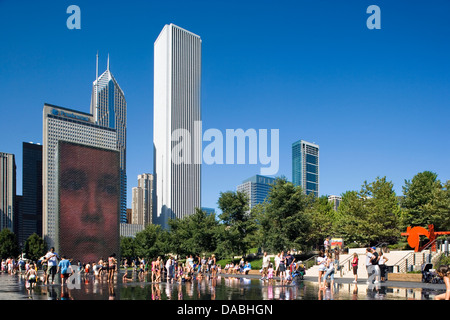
x: 7, y: 191
x: 177, y: 116
x: 305, y: 166
x: 30, y: 211
x: 335, y: 200
x: 257, y: 189
x: 109, y: 108
x: 65, y: 125
x: 142, y: 200
x: 129, y: 214
x: 209, y: 211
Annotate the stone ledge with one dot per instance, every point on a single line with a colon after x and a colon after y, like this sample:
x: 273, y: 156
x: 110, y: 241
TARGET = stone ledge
x: 411, y: 277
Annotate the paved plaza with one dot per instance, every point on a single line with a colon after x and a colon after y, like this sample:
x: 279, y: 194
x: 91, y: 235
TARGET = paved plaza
x: 225, y: 287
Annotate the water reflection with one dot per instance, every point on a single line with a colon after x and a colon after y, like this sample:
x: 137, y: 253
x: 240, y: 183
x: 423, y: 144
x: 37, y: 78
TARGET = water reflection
x: 206, y: 288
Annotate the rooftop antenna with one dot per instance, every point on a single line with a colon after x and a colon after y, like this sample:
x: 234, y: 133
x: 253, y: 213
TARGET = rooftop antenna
x: 107, y: 66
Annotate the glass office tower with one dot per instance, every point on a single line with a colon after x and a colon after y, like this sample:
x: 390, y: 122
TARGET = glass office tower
x: 257, y: 188
x: 109, y: 108
x: 30, y: 213
x: 305, y: 166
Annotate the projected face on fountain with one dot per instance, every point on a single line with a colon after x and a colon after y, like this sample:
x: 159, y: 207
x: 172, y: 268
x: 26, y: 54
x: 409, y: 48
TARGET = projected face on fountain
x: 89, y: 193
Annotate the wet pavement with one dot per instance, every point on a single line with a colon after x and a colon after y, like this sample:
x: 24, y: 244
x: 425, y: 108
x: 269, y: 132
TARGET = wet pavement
x: 225, y: 287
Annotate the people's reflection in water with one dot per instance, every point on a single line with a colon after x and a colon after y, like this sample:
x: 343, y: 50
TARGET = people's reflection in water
x: 65, y: 293
x: 355, y: 292
x: 270, y: 292
x: 326, y: 293
x: 156, y: 292
x: 213, y: 288
x: 112, y: 293
x: 51, y: 293
x: 180, y: 291
x: 169, y: 288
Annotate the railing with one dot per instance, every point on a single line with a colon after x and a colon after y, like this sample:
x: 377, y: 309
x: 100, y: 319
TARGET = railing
x: 346, y: 264
x: 311, y: 262
x: 414, y: 259
x: 429, y: 245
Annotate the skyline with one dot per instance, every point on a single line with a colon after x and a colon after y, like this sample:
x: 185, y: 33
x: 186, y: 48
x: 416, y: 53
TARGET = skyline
x: 372, y: 99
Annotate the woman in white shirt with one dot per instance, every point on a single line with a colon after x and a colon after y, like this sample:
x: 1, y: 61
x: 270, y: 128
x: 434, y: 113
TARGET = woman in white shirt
x: 321, y: 261
x: 382, y: 264
x: 277, y: 264
x: 329, y: 270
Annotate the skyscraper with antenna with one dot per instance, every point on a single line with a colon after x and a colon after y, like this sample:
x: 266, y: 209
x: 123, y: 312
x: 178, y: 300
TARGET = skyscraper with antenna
x: 109, y: 108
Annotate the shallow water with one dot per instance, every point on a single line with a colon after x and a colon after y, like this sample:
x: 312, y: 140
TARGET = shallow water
x: 13, y: 287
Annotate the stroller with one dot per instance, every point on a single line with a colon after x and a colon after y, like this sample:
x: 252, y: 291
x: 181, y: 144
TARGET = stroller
x: 299, y: 272
x: 427, y: 276
x: 435, y: 278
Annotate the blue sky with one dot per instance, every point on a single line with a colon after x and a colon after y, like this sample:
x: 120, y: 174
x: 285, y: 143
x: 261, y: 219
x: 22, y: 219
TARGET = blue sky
x: 376, y: 101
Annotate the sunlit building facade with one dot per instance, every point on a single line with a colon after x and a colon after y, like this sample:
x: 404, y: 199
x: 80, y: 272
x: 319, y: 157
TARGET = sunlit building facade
x: 109, y: 109
x: 176, y: 108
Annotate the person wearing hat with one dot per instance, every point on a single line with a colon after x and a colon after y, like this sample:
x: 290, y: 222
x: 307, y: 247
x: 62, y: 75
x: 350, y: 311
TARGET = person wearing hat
x: 376, y: 267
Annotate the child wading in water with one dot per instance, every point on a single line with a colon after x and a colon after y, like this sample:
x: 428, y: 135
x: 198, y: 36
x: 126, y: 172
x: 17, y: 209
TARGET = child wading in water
x: 270, y: 273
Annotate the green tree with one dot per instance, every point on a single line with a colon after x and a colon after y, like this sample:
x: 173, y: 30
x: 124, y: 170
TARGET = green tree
x: 384, y: 210
x: 425, y: 202
x: 371, y: 215
x: 151, y: 242
x: 8, y: 244
x: 351, y: 221
x: 441, y: 202
x: 194, y: 234
x: 285, y: 223
x: 35, y: 247
x: 127, y: 247
x: 322, y: 217
x: 237, y: 224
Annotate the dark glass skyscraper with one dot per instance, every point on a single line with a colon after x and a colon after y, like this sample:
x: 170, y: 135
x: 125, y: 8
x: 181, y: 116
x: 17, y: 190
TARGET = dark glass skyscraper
x: 30, y: 212
x: 305, y: 166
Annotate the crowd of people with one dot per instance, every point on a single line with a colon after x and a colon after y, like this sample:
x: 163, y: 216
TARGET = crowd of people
x: 173, y: 270
x: 284, y: 266
x: 53, y: 265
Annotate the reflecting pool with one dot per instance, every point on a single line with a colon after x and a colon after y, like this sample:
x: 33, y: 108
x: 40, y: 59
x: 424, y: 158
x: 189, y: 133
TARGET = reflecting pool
x: 13, y: 287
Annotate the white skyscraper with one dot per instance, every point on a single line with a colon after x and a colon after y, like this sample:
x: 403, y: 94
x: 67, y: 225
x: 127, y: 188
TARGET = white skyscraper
x: 177, y: 115
x: 109, y: 108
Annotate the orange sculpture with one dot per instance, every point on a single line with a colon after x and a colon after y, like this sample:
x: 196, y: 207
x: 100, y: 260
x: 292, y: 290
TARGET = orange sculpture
x: 414, y: 234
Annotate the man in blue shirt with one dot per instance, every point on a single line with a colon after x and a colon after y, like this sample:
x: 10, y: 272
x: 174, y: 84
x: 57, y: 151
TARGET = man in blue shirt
x: 64, y: 267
